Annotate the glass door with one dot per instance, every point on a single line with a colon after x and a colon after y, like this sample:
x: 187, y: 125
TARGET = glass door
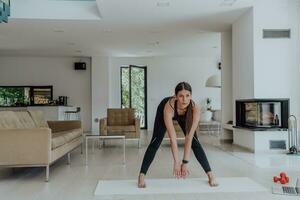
x: 134, y: 91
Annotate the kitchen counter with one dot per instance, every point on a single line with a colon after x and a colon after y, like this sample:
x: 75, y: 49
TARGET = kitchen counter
x: 43, y: 105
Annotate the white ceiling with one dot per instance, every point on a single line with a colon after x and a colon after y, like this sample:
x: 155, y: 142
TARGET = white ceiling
x: 119, y: 27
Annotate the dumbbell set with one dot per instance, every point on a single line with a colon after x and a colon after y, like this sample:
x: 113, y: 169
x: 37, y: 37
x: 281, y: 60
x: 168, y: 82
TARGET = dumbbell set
x: 283, y: 179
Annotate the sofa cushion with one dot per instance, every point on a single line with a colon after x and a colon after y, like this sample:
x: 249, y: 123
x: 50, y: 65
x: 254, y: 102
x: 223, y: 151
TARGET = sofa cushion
x: 73, y: 134
x: 57, y: 141
x: 63, y: 137
x: 8, y: 119
x: 38, y: 118
x: 25, y: 119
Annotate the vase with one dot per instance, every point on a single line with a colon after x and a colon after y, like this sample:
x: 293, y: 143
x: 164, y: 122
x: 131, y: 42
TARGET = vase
x: 206, y: 116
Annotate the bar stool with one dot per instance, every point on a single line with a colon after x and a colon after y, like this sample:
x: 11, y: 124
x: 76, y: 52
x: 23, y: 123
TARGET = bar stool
x: 76, y: 113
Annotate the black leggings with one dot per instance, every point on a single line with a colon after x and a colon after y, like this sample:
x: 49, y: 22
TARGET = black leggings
x: 158, y: 135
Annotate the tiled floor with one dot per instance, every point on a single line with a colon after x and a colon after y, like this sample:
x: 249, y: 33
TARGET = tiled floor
x: 78, y: 181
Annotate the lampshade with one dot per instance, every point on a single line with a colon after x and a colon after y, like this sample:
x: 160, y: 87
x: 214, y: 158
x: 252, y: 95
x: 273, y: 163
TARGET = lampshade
x: 213, y: 81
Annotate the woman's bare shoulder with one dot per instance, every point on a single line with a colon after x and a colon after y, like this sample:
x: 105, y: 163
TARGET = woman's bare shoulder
x: 169, y: 106
x: 196, y: 107
x: 171, y: 102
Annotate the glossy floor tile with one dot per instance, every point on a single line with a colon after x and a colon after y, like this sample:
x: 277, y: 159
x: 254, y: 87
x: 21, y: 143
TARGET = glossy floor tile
x: 78, y: 181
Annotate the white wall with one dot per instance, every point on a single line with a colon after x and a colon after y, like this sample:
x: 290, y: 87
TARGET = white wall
x: 259, y: 141
x: 274, y: 63
x: 163, y: 75
x: 226, y: 92
x: 243, y: 58
x: 242, y: 49
x: 56, y: 71
x: 100, y: 89
x: 298, y: 50
x: 242, y: 69
x: 276, y: 70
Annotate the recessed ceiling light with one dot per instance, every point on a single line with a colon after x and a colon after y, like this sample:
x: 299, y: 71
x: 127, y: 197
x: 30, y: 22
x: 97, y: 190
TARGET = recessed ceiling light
x: 163, y: 4
x: 227, y: 2
x: 200, y: 31
x: 58, y: 31
x: 107, y: 30
x: 156, y: 43
x: 154, y: 31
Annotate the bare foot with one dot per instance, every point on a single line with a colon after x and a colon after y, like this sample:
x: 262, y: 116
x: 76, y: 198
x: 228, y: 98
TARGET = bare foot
x: 141, y: 181
x: 211, y: 180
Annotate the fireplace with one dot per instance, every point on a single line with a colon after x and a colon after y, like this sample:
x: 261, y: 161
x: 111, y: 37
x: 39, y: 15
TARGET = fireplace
x: 262, y: 113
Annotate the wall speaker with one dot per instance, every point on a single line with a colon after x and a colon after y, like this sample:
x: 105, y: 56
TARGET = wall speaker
x: 80, y: 66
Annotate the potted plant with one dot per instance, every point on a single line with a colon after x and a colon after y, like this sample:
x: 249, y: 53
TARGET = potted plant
x: 206, y: 116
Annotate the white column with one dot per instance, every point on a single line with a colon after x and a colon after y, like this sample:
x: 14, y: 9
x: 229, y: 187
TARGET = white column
x: 226, y: 91
x: 100, y: 89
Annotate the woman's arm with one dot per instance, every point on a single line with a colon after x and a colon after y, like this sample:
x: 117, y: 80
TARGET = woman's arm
x: 168, y: 115
x: 190, y: 134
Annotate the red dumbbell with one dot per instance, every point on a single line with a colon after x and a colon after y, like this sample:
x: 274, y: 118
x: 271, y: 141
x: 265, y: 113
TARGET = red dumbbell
x: 287, y: 179
x: 283, y: 180
x: 282, y: 174
x: 276, y: 179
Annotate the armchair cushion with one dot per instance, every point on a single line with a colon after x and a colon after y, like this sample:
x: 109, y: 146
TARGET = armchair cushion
x: 120, y: 129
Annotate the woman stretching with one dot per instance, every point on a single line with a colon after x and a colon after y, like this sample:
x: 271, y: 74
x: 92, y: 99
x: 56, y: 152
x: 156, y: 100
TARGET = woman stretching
x: 182, y: 108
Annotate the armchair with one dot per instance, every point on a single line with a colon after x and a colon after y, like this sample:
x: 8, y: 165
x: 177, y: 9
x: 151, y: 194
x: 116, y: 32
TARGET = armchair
x: 120, y: 121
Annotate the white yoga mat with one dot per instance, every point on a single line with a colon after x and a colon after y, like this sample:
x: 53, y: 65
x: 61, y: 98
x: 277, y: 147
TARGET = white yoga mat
x: 176, y: 186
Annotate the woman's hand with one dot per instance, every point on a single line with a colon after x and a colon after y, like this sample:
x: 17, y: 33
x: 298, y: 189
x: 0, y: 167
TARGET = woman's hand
x: 177, y: 169
x: 184, y: 170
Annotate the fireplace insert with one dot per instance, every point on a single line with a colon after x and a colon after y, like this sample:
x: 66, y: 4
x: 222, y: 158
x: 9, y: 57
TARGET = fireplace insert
x: 262, y: 113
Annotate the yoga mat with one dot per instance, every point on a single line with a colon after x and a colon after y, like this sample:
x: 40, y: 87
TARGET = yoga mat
x: 173, y: 186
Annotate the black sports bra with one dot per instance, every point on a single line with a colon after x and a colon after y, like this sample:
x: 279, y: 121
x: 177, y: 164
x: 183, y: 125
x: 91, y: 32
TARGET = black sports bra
x: 176, y: 115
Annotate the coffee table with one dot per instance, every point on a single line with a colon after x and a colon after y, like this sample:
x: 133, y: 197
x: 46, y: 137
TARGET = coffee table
x: 103, y: 137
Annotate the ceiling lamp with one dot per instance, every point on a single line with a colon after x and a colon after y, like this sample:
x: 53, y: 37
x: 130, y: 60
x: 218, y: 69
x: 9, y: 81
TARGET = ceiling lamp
x: 214, y: 80
x: 4, y: 10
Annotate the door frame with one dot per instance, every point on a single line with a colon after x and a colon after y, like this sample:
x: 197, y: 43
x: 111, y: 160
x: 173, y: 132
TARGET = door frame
x: 145, y: 83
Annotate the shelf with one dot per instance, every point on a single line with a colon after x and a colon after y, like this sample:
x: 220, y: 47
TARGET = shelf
x: 228, y: 127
